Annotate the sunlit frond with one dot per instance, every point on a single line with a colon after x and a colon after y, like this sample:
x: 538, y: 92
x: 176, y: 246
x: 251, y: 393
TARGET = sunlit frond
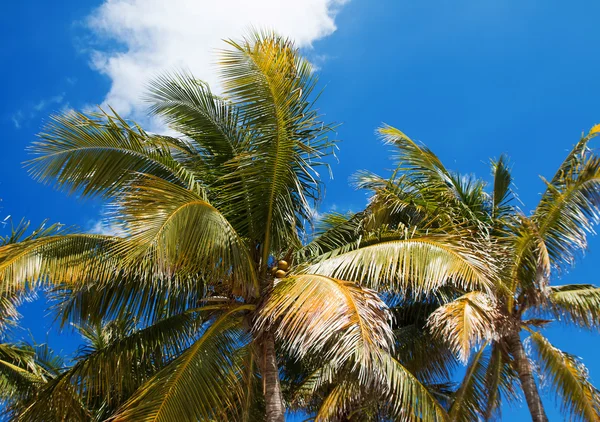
x: 576, y: 303
x: 570, y: 207
x: 418, y: 264
x: 466, y: 322
x: 189, y: 107
x: 569, y: 378
x: 337, y: 319
x: 72, y: 258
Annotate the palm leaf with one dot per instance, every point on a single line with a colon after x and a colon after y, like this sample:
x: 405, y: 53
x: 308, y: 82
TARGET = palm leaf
x: 101, y: 153
x: 338, y: 320
x: 578, y: 398
x: 576, y: 303
x: 466, y: 322
x: 420, y: 264
x: 202, y: 383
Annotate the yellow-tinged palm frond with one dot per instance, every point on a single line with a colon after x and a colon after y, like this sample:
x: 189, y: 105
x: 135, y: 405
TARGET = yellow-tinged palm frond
x: 575, y: 303
x: 275, y: 177
x: 466, y: 322
x: 339, y: 320
x: 570, y: 207
x: 178, y: 232
x: 203, y: 383
x: 338, y: 403
x: 101, y: 153
x: 67, y: 259
x: 416, y: 264
x: 568, y: 377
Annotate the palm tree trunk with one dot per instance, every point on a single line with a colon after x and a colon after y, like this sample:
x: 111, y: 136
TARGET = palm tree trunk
x: 270, y: 372
x: 532, y: 395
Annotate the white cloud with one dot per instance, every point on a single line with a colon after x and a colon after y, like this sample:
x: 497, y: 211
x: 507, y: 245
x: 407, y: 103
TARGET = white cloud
x: 154, y: 36
x: 105, y: 228
x: 42, y: 104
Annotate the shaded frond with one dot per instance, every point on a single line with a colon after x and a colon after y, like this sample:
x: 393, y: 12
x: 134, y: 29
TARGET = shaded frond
x: 201, y: 384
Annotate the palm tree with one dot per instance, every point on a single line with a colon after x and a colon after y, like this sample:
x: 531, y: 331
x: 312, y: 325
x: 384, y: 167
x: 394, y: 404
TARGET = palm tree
x: 211, y: 264
x: 526, y: 253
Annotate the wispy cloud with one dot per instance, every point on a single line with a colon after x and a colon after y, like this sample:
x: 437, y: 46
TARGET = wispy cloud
x: 153, y: 36
x: 25, y: 114
x: 43, y: 104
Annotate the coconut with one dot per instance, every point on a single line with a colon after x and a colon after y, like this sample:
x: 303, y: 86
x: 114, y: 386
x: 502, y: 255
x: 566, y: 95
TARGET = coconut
x: 283, y: 265
x: 280, y: 274
x: 274, y: 270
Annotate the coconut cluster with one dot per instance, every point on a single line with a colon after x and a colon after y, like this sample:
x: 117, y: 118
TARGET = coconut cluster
x: 280, y: 270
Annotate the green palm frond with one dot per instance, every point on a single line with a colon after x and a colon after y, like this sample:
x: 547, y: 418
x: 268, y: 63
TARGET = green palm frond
x: 189, y: 107
x: 578, y: 398
x: 418, y: 264
x: 575, y: 303
x: 408, y: 399
x: 101, y: 153
x: 502, y: 195
x: 129, y: 356
x: 201, y: 384
x: 466, y: 322
x: 488, y: 379
x: 338, y: 320
x: 272, y: 86
x: 178, y: 231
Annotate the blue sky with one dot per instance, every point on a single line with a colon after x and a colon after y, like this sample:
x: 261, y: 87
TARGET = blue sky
x: 471, y: 79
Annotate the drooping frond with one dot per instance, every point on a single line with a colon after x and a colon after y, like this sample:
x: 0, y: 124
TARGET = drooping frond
x: 489, y: 377
x: 466, y: 322
x: 72, y: 258
x: 101, y: 153
x: 339, y: 320
x: 178, y: 232
x: 576, y: 303
x: 407, y: 398
x: 418, y: 264
x: 569, y: 378
x: 272, y: 86
x: 201, y: 384
x: 129, y: 357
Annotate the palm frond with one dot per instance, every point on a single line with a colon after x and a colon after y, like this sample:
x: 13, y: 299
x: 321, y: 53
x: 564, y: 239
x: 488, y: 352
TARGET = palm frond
x: 179, y: 232
x: 339, y: 320
x: 201, y: 384
x: 101, y: 153
x: 575, y: 303
x: 570, y: 207
x: 466, y: 322
x: 418, y: 264
x: 578, y: 398
x: 275, y: 177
